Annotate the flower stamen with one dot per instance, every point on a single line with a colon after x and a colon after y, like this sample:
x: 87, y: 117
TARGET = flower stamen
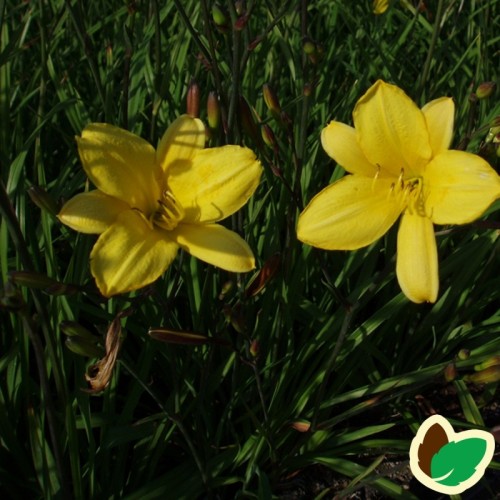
x: 169, y: 212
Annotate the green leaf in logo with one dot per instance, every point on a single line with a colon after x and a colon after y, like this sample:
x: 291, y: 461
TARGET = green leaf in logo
x: 456, y: 461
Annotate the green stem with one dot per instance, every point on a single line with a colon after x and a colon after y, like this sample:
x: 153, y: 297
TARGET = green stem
x: 430, y: 53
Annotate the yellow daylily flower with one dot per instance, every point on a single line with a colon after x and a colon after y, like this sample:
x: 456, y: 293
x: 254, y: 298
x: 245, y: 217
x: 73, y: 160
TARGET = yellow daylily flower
x: 149, y: 203
x: 399, y: 164
x: 380, y: 6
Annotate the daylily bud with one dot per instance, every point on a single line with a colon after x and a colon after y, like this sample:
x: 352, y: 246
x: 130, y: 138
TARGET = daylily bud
x: 74, y: 329
x: 31, y: 279
x: 248, y: 123
x: 177, y: 337
x: 493, y: 361
x: 213, y: 110
x: 226, y: 288
x: 493, y: 135
x: 83, y: 348
x: 239, y: 6
x: 450, y: 372
x: 264, y: 276
x: 308, y: 46
x: 219, y: 17
x: 380, y: 6
x: 308, y: 89
x: 254, y: 348
x: 254, y: 43
x: 40, y: 281
x: 487, y: 376
x: 485, y: 90
x: 236, y: 317
x: 271, y: 99
x: 193, y: 99
x: 43, y: 200
x: 268, y: 136
x: 241, y: 22
x: 463, y: 354
x: 301, y: 425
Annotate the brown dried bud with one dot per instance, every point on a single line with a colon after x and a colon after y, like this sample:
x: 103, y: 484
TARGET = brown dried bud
x: 99, y: 375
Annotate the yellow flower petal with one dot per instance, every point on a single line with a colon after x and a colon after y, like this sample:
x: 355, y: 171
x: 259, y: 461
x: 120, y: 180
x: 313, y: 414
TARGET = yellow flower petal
x: 218, y: 183
x: 215, y: 245
x: 91, y: 212
x: 341, y: 144
x: 417, y: 259
x: 380, y: 6
x: 439, y: 115
x: 181, y: 141
x: 130, y: 254
x: 461, y: 187
x: 391, y: 130
x: 120, y: 164
x: 349, y: 214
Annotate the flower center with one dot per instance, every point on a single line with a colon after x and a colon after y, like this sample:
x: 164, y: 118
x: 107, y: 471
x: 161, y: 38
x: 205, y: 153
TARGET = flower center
x: 409, y: 193
x: 169, y: 212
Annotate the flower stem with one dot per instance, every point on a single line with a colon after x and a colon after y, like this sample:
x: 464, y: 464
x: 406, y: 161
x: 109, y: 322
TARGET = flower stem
x: 432, y: 45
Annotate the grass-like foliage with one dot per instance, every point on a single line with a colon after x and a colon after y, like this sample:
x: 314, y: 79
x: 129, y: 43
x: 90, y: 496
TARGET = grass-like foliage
x: 320, y: 360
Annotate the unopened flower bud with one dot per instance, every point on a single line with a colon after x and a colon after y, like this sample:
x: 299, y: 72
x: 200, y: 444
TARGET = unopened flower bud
x: 493, y: 361
x: 248, y: 123
x: 271, y: 99
x: 219, y: 17
x: 213, y: 110
x: 239, y: 7
x: 268, y: 136
x: 308, y: 46
x: 31, y: 279
x: 241, y: 22
x: 485, y: 90
x: 488, y: 376
x: 254, y: 348
x: 493, y: 135
x: 308, y: 89
x: 450, y: 372
x: 74, y: 329
x: 463, y: 354
x: 193, y: 99
x: 301, y: 425
x: 83, y: 347
x: 43, y: 200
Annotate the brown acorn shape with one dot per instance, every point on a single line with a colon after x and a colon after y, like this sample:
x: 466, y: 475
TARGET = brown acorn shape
x: 435, y: 438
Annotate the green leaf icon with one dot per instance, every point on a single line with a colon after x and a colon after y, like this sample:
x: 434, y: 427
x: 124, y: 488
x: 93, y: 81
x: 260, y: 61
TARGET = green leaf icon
x: 456, y: 461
